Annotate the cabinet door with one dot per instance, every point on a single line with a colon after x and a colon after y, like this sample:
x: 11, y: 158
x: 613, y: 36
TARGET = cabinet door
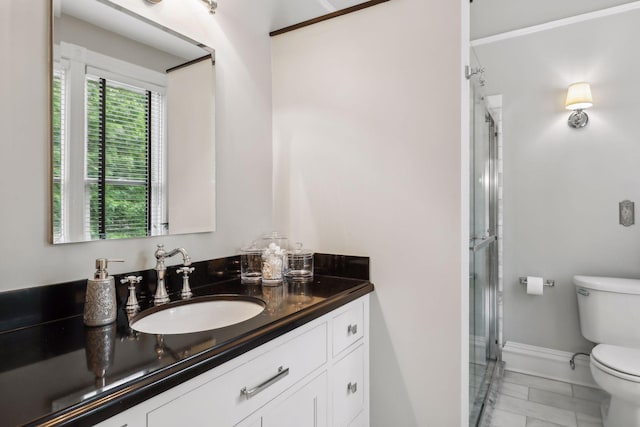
x: 251, y: 422
x: 306, y: 407
x: 348, y: 387
x: 360, y: 421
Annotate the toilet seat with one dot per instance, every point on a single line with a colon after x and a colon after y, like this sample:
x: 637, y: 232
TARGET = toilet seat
x: 622, y: 362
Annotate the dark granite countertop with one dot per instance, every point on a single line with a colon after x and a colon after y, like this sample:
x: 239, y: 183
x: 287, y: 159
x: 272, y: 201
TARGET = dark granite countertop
x: 61, y: 372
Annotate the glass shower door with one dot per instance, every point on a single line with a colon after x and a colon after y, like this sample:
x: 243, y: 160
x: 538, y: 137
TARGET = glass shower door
x: 483, y: 259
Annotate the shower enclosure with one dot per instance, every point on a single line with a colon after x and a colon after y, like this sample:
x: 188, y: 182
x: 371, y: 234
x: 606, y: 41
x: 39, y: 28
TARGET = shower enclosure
x: 484, y: 351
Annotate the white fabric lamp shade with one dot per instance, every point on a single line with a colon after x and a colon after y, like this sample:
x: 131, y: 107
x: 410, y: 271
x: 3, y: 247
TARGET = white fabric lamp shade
x: 578, y: 96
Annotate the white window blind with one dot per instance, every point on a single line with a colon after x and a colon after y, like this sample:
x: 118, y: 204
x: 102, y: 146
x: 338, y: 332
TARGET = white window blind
x: 159, y: 220
x: 58, y: 151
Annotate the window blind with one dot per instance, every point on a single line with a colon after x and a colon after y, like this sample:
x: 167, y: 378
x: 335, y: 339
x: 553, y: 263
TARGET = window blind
x: 58, y: 151
x: 159, y: 220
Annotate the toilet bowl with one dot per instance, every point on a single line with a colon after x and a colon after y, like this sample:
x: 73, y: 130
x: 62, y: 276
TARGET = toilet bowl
x: 609, y: 311
x: 617, y: 371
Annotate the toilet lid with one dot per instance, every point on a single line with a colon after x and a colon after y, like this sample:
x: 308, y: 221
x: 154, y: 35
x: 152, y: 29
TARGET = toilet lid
x: 621, y: 359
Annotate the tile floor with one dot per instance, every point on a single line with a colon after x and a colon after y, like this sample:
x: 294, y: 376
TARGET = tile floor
x: 529, y: 401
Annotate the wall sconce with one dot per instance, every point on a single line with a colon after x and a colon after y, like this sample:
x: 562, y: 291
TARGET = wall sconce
x: 578, y: 99
x: 213, y: 5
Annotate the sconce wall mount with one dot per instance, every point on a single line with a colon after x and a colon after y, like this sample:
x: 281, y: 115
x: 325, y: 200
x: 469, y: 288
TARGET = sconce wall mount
x: 578, y: 119
x: 578, y: 99
x: 213, y: 4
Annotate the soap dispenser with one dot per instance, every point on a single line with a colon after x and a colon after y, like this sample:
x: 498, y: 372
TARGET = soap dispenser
x: 100, y: 306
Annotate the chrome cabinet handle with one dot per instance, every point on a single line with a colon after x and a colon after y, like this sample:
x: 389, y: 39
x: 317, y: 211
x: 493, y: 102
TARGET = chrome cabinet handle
x: 583, y: 292
x: 352, y: 329
x: 282, y: 372
x: 352, y: 387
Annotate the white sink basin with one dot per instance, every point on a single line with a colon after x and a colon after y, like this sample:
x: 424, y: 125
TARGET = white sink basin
x: 197, y: 314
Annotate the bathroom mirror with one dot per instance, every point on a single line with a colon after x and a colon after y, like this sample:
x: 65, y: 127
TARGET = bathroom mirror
x: 132, y: 126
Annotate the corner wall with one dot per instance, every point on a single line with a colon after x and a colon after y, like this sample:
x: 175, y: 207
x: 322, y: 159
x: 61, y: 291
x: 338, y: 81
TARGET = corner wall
x: 239, y: 33
x: 367, y: 155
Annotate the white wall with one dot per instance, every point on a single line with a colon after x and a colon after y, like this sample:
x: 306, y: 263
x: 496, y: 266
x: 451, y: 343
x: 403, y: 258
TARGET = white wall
x: 239, y: 33
x: 367, y: 149
x: 562, y: 186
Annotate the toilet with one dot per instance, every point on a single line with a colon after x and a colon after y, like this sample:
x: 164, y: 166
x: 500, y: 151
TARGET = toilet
x: 609, y: 310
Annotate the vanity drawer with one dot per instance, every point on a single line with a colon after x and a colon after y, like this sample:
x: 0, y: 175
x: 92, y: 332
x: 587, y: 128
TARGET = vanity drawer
x: 348, y: 327
x: 222, y: 401
x: 348, y: 388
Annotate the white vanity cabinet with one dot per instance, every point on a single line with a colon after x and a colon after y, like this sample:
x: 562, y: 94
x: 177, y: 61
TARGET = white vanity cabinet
x: 316, y: 375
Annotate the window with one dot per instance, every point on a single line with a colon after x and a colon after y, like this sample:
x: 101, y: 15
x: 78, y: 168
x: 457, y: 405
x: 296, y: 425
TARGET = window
x: 108, y: 153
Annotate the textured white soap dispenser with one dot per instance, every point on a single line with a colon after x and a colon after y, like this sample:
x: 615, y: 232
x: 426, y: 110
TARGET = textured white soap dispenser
x: 100, y: 306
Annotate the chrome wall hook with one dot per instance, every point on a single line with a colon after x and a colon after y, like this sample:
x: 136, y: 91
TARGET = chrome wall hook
x: 470, y: 72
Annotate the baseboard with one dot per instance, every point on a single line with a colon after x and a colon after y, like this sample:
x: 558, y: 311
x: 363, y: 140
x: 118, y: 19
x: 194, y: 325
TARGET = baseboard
x: 546, y: 362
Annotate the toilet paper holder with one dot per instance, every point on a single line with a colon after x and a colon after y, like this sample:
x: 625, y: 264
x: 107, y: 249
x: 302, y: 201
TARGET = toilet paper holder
x: 548, y: 283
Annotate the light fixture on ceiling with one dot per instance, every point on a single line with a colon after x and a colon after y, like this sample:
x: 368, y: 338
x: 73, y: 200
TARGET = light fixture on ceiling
x: 578, y: 99
x: 213, y: 5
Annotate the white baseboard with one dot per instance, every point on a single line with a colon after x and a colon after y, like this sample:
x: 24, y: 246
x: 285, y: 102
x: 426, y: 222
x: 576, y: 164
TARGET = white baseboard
x: 546, y: 362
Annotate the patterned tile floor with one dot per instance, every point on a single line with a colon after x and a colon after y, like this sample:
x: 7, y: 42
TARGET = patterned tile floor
x: 529, y: 401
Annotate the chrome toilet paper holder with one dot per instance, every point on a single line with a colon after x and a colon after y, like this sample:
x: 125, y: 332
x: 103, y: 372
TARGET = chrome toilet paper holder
x: 548, y: 283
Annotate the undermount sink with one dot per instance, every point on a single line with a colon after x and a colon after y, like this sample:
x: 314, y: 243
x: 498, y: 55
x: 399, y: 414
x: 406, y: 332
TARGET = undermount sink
x: 197, y: 314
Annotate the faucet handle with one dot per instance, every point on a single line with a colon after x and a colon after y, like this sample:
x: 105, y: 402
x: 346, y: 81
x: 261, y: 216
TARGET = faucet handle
x: 185, y: 270
x: 186, y: 290
x: 132, y: 302
x: 133, y: 280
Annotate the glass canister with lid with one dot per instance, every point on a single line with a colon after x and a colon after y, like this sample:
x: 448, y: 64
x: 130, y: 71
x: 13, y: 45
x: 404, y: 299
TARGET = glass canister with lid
x: 299, y: 262
x: 273, y: 258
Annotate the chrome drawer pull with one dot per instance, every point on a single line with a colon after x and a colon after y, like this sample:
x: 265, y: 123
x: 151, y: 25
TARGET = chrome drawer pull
x: 583, y: 292
x: 352, y: 329
x: 352, y: 387
x: 282, y: 372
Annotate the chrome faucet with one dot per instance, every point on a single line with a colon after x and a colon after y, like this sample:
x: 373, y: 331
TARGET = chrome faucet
x: 161, y: 295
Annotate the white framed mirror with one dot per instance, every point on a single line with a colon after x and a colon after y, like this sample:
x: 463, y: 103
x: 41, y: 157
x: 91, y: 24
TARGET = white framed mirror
x: 132, y: 126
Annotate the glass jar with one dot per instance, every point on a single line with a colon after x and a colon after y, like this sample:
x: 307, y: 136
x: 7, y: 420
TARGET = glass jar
x: 251, y: 264
x: 274, y: 250
x: 299, y: 262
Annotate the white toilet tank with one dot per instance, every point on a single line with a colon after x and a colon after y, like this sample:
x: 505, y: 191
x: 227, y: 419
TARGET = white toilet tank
x: 609, y: 310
